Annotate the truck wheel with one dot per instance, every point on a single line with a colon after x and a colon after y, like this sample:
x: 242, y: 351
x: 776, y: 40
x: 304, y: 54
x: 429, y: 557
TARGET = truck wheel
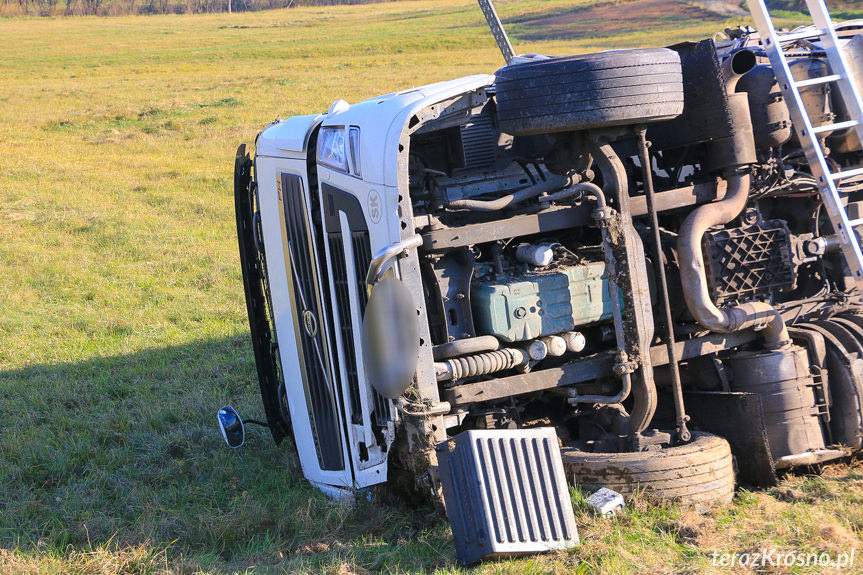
x: 700, y: 472
x: 621, y: 87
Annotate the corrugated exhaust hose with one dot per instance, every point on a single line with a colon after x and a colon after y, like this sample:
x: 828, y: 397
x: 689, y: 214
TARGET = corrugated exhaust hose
x: 480, y: 364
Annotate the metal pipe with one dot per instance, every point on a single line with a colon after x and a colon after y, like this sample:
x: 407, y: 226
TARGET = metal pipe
x: 544, y: 187
x: 735, y: 66
x: 625, y: 389
x: 373, y: 275
x: 467, y: 346
x: 403, y: 405
x: 659, y: 265
x: 757, y: 315
x: 597, y: 193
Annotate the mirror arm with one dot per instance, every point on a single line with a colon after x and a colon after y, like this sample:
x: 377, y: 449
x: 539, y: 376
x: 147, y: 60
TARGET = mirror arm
x: 397, y: 249
x: 256, y: 422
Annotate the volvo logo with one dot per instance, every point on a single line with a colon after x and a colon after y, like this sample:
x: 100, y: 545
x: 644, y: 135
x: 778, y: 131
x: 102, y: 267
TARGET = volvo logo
x: 310, y: 323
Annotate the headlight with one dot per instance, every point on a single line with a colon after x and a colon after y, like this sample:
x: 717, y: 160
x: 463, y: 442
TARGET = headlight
x: 331, y: 148
x: 354, y: 137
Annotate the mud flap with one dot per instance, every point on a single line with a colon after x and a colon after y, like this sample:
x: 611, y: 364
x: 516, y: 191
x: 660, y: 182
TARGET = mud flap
x: 739, y: 418
x: 506, y: 493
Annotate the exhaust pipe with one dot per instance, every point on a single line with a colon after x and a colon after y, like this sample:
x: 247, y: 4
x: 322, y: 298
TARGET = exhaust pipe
x: 694, y: 279
x: 735, y: 66
x: 732, y: 155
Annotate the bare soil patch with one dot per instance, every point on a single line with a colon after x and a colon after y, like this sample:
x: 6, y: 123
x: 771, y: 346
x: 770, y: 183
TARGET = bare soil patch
x: 610, y: 19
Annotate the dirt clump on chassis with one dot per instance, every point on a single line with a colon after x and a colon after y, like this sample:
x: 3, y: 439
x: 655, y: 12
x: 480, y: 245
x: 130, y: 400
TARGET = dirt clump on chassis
x: 507, y: 251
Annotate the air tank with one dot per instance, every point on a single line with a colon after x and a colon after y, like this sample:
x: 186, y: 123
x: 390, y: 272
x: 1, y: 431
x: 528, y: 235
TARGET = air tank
x: 846, y: 140
x: 816, y: 99
x: 792, y: 415
x: 771, y: 120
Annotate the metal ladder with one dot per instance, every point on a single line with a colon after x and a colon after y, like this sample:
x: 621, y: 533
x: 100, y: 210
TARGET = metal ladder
x: 497, y: 30
x: 840, y: 76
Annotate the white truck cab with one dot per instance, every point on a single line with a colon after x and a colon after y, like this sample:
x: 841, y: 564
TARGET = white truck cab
x: 345, y: 170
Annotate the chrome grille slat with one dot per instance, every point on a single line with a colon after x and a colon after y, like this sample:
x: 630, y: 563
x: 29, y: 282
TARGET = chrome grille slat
x: 323, y: 412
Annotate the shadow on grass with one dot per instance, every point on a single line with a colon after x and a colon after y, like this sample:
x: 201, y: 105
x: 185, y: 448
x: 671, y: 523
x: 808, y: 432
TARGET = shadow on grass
x: 125, y: 451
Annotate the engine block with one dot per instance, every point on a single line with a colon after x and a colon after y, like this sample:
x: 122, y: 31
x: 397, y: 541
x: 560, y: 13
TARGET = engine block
x: 541, y: 302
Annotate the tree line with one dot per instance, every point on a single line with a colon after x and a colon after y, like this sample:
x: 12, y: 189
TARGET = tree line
x: 125, y: 7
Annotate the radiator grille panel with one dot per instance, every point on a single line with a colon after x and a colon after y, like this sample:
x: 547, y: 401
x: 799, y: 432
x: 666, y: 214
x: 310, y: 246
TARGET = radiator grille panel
x: 514, y: 496
x: 479, y: 142
x: 309, y: 324
x: 506, y: 492
x: 343, y: 301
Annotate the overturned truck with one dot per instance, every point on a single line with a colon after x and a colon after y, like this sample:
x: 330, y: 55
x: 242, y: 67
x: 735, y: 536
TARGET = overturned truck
x: 629, y: 246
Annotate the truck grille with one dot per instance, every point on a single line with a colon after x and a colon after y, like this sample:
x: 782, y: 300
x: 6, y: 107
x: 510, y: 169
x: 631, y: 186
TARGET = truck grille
x: 337, y: 201
x: 309, y: 318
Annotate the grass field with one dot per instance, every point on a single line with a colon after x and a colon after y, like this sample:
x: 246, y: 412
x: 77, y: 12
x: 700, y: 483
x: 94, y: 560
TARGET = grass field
x: 122, y: 323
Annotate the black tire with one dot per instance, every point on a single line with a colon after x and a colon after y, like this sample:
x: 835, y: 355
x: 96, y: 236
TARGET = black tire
x: 700, y: 472
x: 571, y: 93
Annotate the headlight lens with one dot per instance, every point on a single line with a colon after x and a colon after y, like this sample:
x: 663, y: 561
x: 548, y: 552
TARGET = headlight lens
x: 354, y: 137
x: 331, y: 148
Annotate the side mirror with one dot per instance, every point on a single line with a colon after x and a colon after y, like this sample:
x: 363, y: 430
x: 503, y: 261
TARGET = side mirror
x: 232, y: 427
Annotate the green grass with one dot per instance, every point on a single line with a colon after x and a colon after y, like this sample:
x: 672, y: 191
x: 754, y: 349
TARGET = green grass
x: 122, y: 323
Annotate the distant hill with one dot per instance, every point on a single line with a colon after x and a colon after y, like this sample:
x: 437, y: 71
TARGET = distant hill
x: 641, y: 20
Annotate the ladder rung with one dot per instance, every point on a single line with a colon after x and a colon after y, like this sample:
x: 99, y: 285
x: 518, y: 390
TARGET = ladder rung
x: 821, y: 80
x: 802, y: 35
x: 855, y: 223
x: 836, y: 127
x: 846, y: 174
